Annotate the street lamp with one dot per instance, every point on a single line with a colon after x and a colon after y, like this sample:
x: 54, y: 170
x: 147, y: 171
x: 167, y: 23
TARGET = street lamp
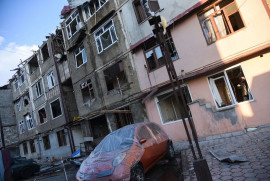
x: 199, y: 163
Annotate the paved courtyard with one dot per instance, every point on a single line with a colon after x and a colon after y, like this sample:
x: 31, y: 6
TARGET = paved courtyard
x: 253, y: 145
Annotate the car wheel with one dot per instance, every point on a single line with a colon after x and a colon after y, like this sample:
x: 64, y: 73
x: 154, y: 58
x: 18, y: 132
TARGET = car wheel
x: 137, y: 173
x: 170, y: 151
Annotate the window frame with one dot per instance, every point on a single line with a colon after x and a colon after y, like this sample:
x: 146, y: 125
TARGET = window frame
x: 50, y: 80
x: 18, y: 105
x: 38, y: 88
x: 61, y: 138
x: 88, y: 7
x: 22, y: 80
x: 46, y: 146
x: 87, y: 85
x: 227, y: 81
x: 213, y: 23
x: 25, y: 148
x: 21, y: 126
x: 104, y: 31
x: 32, y: 146
x: 76, y: 18
x: 29, y: 121
x: 159, y: 109
x: 43, y: 118
x: 60, y: 108
x: 81, y: 50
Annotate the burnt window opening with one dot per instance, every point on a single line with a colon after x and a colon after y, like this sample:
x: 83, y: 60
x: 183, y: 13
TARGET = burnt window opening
x: 61, y: 137
x: 99, y: 127
x: 230, y: 87
x: 32, y: 146
x: 33, y: 64
x: 45, y: 52
x: 87, y: 91
x: 25, y: 150
x: 46, y: 142
x: 221, y: 19
x: 42, y: 116
x: 123, y: 119
x: 92, y: 7
x: 26, y: 99
x: 139, y: 9
x: 115, y: 76
x: 153, y: 54
x: 56, y: 108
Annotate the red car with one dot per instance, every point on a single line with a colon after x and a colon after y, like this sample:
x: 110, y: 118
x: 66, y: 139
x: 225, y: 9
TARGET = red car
x: 127, y: 154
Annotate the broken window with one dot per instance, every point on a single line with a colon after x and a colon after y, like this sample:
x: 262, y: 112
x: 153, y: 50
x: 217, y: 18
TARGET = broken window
x: 21, y: 126
x: 45, y: 52
x: 168, y: 108
x: 38, y: 88
x: 115, y: 76
x: 87, y: 91
x: 153, y: 54
x: 141, y: 14
x: 32, y: 146
x: 33, y: 64
x: 51, y: 81
x: 42, y: 116
x: 93, y: 6
x: 16, y: 84
x: 123, y: 119
x: 80, y: 56
x: 46, y: 142
x: 25, y: 150
x: 29, y: 121
x: 18, y: 105
x: 21, y: 74
x: 230, y: 87
x: 221, y: 19
x: 61, y: 138
x: 71, y: 23
x: 105, y: 36
x: 56, y: 108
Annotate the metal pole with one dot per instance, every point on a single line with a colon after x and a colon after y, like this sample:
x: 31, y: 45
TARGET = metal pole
x: 200, y: 165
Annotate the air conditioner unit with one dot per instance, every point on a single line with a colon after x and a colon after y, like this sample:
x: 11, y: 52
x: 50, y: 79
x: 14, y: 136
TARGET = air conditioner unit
x: 79, y: 26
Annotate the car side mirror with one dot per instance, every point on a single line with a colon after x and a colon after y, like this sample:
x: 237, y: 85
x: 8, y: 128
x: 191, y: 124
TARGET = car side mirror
x: 142, y: 141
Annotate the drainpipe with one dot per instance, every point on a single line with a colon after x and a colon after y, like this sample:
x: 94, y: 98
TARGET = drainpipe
x: 71, y: 142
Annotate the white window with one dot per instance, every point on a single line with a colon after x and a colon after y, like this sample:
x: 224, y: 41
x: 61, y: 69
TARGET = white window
x: 56, y: 108
x: 29, y: 121
x: 105, y: 36
x: 18, y: 105
x: 87, y: 91
x: 21, y: 127
x: 80, y: 56
x: 230, y: 87
x: 21, y: 77
x: 71, y: 23
x: 51, y: 81
x: 168, y: 109
x: 90, y: 8
x: 38, y: 88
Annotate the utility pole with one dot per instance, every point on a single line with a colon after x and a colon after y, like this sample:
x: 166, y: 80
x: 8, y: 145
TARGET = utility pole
x: 200, y: 165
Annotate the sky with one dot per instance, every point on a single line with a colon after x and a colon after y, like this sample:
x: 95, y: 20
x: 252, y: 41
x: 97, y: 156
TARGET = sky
x: 23, y: 27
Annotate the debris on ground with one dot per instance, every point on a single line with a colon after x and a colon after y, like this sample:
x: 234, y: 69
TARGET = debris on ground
x: 225, y: 156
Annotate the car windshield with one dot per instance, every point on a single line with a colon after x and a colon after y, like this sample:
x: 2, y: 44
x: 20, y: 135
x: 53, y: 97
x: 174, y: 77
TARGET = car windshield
x: 117, y: 140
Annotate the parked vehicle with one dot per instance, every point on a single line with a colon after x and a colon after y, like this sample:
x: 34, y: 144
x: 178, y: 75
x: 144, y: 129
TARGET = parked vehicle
x: 127, y: 153
x: 23, y: 168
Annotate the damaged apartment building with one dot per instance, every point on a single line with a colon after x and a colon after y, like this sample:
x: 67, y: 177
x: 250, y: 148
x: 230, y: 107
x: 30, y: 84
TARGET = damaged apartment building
x: 221, y: 52
x: 44, y: 102
x: 102, y: 69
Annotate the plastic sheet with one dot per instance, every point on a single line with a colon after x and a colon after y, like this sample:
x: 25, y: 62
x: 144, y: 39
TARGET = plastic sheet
x: 114, y: 157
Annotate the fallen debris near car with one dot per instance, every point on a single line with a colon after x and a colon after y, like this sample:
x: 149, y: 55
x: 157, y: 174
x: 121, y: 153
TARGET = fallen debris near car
x: 225, y: 156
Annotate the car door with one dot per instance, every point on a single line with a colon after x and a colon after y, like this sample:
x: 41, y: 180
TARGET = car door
x: 149, y: 156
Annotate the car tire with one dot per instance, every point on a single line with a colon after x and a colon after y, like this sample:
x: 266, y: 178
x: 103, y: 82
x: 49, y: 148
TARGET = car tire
x: 170, y: 151
x: 137, y: 173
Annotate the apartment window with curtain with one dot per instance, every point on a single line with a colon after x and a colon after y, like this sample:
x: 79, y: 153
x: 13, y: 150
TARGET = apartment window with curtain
x: 220, y: 19
x: 141, y: 14
x: 230, y: 87
x: 153, y: 55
